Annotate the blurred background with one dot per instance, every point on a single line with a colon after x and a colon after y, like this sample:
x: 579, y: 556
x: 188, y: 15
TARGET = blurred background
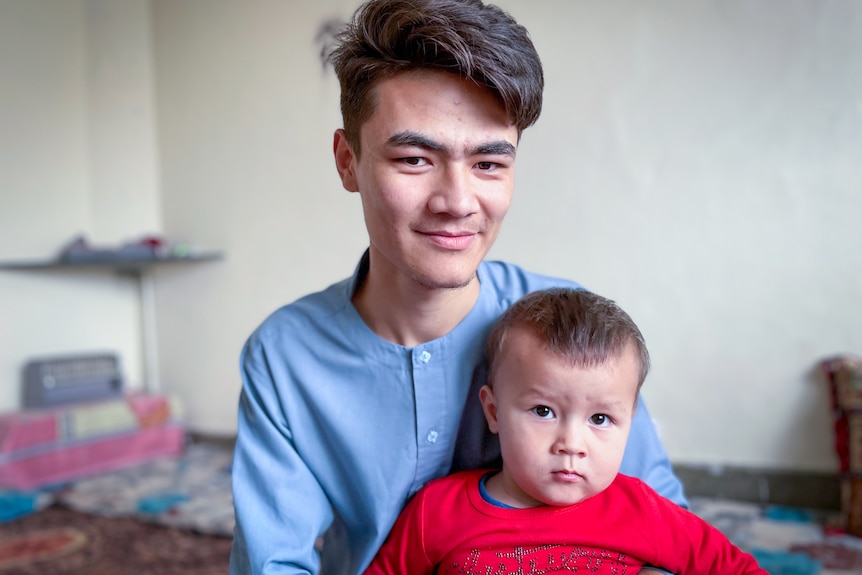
x: 700, y: 162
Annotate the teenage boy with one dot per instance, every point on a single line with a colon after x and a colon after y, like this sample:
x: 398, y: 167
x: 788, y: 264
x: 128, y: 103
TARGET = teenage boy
x: 352, y: 397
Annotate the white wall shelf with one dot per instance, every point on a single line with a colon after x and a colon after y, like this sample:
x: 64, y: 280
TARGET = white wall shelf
x: 140, y: 269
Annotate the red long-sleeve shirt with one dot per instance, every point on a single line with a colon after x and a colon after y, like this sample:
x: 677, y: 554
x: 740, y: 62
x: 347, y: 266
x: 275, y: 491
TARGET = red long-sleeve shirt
x: 449, y: 524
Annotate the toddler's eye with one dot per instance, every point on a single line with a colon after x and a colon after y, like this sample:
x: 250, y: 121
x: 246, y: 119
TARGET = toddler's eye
x: 600, y: 420
x: 543, y: 411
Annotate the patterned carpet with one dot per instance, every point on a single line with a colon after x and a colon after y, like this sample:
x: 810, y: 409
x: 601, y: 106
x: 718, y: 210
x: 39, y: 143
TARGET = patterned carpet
x: 170, y: 516
x: 785, y: 541
x: 60, y: 541
x: 175, y: 516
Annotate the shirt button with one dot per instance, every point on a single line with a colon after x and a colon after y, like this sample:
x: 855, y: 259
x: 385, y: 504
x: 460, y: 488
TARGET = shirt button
x: 424, y: 357
x: 432, y: 436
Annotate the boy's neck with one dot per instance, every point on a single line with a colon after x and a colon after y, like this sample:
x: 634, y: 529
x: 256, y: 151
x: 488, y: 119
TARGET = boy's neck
x: 409, y: 314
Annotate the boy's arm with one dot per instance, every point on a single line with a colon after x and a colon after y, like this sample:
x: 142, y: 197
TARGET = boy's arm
x: 280, y: 507
x: 646, y: 458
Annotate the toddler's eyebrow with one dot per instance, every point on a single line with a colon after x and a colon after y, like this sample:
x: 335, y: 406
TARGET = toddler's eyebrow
x: 611, y: 406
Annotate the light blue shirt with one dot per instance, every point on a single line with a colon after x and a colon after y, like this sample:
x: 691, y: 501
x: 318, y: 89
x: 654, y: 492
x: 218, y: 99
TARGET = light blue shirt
x: 339, y: 427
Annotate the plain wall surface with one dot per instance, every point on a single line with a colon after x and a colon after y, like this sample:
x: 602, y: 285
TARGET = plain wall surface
x: 77, y: 157
x: 699, y: 162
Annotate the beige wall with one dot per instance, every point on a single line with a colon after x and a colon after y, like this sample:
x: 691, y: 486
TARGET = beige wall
x: 77, y: 156
x: 697, y: 161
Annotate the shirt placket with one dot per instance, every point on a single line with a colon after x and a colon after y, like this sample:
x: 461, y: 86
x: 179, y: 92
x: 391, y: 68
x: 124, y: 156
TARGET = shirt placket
x: 430, y: 396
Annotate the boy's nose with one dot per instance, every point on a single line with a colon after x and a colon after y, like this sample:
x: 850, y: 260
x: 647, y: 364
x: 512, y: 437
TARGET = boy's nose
x: 454, y: 193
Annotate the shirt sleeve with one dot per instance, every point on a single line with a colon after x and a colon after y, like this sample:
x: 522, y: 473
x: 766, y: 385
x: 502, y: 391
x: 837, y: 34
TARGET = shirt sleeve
x: 646, y: 458
x: 685, y: 543
x: 280, y: 507
x: 404, y: 552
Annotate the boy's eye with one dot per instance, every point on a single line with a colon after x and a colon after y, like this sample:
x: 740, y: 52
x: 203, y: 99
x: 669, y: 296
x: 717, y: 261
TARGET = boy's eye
x: 414, y: 161
x: 485, y: 166
x: 600, y: 420
x: 543, y: 411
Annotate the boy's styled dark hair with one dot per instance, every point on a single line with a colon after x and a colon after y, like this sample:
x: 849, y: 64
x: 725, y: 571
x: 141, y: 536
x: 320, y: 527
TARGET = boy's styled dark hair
x: 474, y: 40
x: 582, y: 327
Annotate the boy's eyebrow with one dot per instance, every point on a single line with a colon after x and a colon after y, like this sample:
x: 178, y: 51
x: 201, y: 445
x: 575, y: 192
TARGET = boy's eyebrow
x: 501, y: 148
x: 414, y: 139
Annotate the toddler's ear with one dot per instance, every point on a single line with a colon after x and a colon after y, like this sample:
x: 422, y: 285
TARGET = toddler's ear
x: 489, y: 407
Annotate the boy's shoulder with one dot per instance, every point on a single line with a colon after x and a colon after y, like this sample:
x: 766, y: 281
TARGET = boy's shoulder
x: 510, y: 281
x: 313, y: 308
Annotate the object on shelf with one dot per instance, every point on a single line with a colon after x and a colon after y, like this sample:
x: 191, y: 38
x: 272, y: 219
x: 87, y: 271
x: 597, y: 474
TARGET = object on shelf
x: 147, y: 248
x: 134, y: 257
x: 52, y: 381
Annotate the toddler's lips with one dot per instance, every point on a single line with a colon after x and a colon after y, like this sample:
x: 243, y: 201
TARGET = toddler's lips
x: 567, y: 475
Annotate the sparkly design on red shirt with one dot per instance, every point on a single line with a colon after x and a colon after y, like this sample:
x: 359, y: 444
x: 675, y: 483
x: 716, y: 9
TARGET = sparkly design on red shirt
x: 540, y: 560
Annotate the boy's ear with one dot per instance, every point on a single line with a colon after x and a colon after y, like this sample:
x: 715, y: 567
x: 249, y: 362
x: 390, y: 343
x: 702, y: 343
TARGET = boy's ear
x: 489, y: 407
x: 344, y: 161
